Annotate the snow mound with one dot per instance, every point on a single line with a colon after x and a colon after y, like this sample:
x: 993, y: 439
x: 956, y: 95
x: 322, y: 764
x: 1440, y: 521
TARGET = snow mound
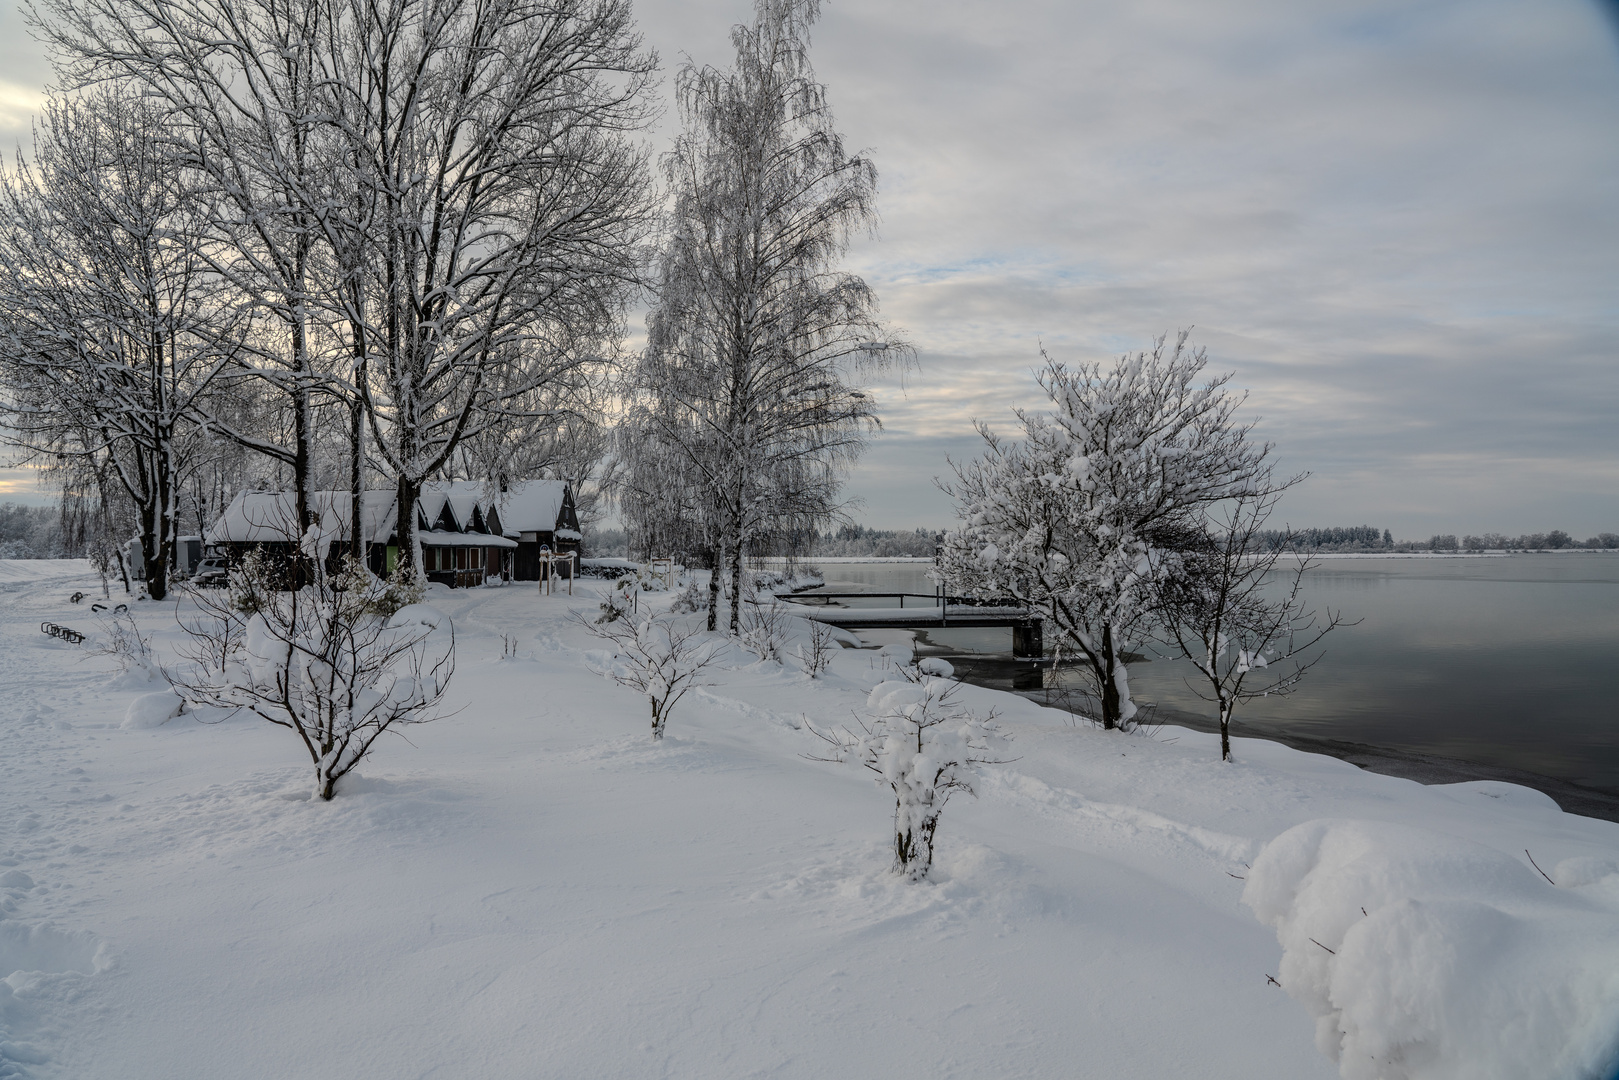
x: 1428, y: 957
x: 936, y: 666
x: 152, y: 710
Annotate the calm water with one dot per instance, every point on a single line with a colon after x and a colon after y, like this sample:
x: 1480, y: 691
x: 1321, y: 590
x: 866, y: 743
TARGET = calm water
x: 1509, y: 661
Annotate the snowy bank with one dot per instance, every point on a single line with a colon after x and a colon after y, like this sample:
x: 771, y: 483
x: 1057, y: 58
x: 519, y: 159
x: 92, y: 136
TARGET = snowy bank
x: 529, y: 887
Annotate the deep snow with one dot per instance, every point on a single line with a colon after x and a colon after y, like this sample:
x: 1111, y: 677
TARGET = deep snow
x: 531, y: 888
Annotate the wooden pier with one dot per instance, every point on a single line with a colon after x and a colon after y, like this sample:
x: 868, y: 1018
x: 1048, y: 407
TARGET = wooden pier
x: 930, y: 612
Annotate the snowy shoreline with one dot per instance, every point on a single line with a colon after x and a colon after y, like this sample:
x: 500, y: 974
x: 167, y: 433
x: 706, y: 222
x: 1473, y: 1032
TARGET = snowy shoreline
x: 1427, y: 769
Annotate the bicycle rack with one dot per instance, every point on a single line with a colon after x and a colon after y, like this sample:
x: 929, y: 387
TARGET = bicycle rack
x: 66, y: 633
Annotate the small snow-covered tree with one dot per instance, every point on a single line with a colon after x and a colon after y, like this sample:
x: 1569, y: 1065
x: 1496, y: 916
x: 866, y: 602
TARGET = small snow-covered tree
x: 1073, y: 520
x: 658, y: 656
x: 922, y: 744
x: 1234, y: 608
x: 328, y: 661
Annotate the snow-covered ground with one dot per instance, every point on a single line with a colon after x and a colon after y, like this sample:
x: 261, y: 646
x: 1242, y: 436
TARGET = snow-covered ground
x: 531, y: 888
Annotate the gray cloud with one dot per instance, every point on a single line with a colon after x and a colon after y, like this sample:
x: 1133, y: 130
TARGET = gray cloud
x: 1396, y: 222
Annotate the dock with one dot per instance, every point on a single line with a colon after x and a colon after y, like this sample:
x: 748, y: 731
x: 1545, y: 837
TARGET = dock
x: 930, y: 612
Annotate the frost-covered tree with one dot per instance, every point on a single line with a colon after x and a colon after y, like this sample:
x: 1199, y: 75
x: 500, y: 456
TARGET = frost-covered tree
x: 745, y: 390
x: 662, y: 657
x: 336, y: 661
x: 504, y: 204
x: 1073, y: 520
x: 924, y: 746
x: 1234, y: 607
x: 241, y: 88
x: 433, y: 210
x: 114, y: 328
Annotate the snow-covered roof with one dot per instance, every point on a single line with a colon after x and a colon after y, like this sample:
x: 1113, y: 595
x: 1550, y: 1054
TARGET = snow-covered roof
x: 441, y: 538
x: 259, y: 516
x: 462, y: 495
x: 532, y: 506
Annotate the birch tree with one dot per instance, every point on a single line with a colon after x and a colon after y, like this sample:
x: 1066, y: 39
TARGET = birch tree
x: 756, y: 338
x: 1074, y: 520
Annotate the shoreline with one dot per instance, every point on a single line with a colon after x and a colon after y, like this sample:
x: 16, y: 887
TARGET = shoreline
x: 1408, y: 764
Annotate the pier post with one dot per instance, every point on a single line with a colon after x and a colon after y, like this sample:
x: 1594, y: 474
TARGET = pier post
x: 1027, y: 640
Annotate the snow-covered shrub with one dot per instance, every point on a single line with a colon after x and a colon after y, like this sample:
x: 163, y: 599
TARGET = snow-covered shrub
x: 122, y: 640
x: 319, y: 660
x: 385, y: 596
x: 764, y: 629
x: 614, y: 606
x: 920, y: 742
x: 1428, y: 957
x: 690, y: 599
x: 819, y: 646
x: 793, y: 579
x: 660, y: 657
x: 152, y: 710
x: 642, y: 580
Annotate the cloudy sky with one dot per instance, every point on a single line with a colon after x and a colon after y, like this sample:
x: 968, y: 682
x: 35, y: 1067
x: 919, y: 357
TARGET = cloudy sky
x: 1396, y: 222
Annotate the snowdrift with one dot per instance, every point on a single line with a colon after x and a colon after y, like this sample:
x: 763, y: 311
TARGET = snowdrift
x: 1429, y: 957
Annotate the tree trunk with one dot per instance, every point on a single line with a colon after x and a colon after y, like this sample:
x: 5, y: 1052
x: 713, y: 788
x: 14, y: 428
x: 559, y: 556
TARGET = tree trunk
x: 1225, y: 731
x: 716, y: 559
x: 405, y: 524
x: 158, y: 527
x: 735, y: 590
x: 1110, y: 687
x: 357, y: 482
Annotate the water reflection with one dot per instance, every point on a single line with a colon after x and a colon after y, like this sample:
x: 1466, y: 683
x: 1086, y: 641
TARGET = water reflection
x: 1508, y: 661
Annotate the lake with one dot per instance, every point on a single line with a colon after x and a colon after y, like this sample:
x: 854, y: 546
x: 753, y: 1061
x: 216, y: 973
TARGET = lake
x: 1509, y: 661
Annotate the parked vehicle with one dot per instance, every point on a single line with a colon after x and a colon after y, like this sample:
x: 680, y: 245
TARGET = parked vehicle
x: 211, y: 573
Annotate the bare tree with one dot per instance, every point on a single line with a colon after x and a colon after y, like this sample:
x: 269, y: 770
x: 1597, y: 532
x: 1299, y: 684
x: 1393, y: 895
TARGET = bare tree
x: 756, y: 336
x: 115, y: 328
x: 239, y: 84
x: 326, y: 661
x: 1073, y: 520
x: 504, y: 204
x: 1235, y: 609
x: 433, y: 208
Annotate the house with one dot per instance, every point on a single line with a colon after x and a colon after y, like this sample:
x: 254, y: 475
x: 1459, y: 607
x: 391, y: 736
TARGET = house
x: 268, y: 521
x: 467, y: 536
x: 459, y: 546
x: 540, y: 516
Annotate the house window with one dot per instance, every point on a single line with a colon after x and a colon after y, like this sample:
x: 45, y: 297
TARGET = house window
x: 477, y: 558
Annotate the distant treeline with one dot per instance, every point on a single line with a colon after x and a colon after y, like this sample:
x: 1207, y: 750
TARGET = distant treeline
x: 1555, y: 540
x: 32, y: 532
x: 857, y: 540
x: 1367, y: 538
x: 1333, y: 538
x: 35, y: 532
